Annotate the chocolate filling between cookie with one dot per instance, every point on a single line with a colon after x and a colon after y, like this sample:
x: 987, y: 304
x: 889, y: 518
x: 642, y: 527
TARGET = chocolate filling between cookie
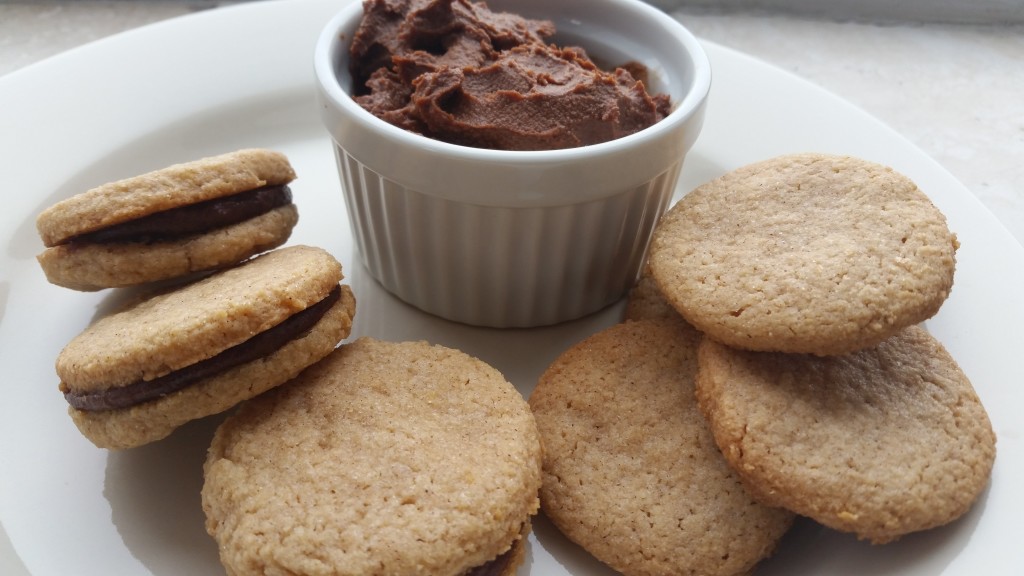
x: 190, y: 219
x: 495, y: 567
x: 259, y: 346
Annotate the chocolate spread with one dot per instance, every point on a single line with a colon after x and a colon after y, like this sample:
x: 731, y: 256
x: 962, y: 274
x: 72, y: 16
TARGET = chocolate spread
x: 259, y: 346
x: 192, y: 219
x: 455, y: 71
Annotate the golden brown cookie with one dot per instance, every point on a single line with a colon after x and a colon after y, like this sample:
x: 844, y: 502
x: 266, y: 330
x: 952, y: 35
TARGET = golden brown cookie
x: 134, y: 376
x: 185, y: 218
x: 631, y: 472
x: 384, y: 458
x: 645, y: 302
x: 807, y: 253
x: 883, y: 442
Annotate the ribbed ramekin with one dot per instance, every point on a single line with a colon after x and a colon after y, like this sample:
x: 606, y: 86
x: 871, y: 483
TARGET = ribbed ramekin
x: 509, y: 238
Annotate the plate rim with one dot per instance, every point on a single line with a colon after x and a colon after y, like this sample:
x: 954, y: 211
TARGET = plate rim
x: 10, y: 86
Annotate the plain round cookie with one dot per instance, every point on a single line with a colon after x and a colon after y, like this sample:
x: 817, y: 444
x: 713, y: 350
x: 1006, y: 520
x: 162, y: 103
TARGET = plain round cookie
x: 383, y: 458
x: 631, y: 472
x: 884, y: 442
x: 178, y: 329
x: 94, y: 266
x: 806, y: 253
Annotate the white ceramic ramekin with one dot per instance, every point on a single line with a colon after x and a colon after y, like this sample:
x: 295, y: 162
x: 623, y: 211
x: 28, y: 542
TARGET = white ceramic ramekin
x: 508, y: 238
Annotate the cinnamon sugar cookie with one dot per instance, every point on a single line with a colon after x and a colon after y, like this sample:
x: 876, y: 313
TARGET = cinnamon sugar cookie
x: 384, y: 458
x: 631, y: 472
x: 883, y: 442
x: 807, y: 253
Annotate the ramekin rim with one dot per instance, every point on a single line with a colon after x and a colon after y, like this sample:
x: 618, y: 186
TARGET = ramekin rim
x: 693, y: 99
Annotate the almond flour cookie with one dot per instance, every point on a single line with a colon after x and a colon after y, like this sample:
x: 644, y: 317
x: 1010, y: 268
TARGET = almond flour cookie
x: 883, y: 442
x: 807, y: 253
x: 631, y: 472
x: 384, y: 458
x: 133, y: 377
x: 645, y: 301
x: 185, y: 218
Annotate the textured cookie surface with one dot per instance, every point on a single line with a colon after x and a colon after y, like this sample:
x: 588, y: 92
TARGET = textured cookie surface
x: 91, y: 267
x: 631, y: 471
x: 383, y: 458
x: 177, y: 185
x: 151, y: 421
x: 884, y: 442
x: 178, y: 329
x: 806, y: 253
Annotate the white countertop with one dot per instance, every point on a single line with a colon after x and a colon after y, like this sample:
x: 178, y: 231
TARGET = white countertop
x: 955, y: 90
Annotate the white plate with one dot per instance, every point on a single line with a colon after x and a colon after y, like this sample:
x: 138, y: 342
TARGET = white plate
x: 242, y: 76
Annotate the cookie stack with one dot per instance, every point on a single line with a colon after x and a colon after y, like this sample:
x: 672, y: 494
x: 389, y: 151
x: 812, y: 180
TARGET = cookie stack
x: 806, y: 277
x: 182, y: 219
x: 232, y: 317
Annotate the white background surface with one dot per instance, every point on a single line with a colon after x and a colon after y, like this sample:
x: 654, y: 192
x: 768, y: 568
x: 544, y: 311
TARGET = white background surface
x: 75, y: 496
x: 955, y: 90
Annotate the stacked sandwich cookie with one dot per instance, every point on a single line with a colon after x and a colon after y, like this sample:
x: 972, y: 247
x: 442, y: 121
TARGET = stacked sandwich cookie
x: 133, y: 377
x: 800, y: 283
x: 186, y: 218
x: 228, y: 319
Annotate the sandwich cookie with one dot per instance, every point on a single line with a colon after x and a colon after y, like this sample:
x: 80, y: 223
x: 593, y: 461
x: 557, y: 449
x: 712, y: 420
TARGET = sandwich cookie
x: 807, y: 253
x: 883, y: 442
x: 383, y: 458
x: 185, y: 218
x: 631, y: 471
x: 134, y: 376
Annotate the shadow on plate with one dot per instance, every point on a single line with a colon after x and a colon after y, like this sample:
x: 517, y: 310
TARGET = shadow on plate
x: 810, y: 548
x: 566, y: 553
x: 154, y: 495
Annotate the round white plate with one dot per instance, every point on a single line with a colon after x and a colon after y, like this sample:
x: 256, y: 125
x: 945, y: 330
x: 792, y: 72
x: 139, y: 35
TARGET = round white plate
x: 242, y: 76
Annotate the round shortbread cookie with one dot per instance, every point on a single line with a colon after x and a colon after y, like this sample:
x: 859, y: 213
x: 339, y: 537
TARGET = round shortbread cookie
x: 182, y: 328
x: 631, y: 472
x: 170, y: 187
x: 883, y: 442
x: 96, y: 266
x: 806, y: 253
x: 383, y: 458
